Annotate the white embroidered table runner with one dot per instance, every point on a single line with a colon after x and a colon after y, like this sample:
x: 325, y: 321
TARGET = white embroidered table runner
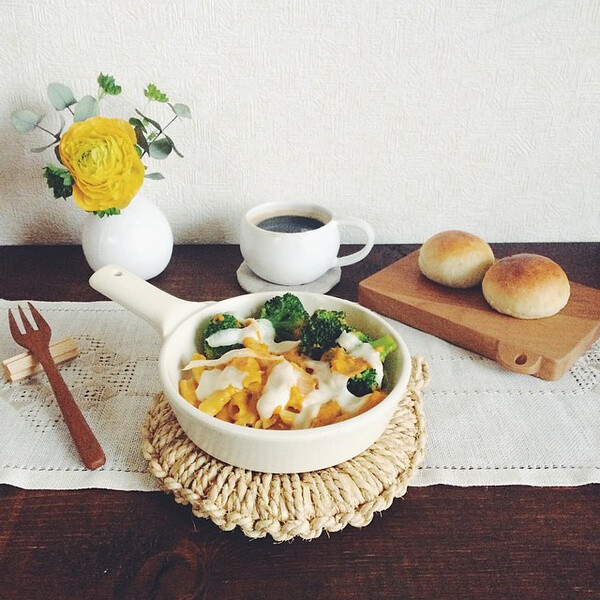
x: 485, y: 425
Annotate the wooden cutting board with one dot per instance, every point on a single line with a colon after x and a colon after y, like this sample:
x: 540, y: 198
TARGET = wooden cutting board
x: 545, y: 347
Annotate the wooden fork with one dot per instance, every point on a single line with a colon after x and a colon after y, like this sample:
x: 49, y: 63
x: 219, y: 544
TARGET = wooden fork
x: 37, y: 342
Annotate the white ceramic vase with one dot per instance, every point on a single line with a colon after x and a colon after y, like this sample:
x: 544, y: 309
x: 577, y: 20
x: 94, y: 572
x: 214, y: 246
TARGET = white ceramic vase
x: 139, y: 239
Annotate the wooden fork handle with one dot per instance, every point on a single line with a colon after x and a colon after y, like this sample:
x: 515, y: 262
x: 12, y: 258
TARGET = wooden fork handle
x: 87, y: 445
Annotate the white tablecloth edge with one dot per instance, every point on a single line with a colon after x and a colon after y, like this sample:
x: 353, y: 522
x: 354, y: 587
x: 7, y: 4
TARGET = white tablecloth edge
x: 425, y: 477
x: 543, y: 477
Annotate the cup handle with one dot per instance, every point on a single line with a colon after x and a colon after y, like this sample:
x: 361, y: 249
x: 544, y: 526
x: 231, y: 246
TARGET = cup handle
x: 343, y: 261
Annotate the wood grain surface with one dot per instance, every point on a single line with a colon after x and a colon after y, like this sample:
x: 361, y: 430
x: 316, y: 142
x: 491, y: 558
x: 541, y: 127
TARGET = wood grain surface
x: 436, y: 542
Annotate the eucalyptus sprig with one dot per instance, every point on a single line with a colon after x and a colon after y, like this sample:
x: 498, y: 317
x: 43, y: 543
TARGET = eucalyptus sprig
x: 150, y: 134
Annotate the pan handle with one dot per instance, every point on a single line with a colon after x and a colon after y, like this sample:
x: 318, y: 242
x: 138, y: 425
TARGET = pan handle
x: 162, y: 310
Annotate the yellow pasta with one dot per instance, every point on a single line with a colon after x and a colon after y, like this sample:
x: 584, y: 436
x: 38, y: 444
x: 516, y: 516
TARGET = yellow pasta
x: 287, y: 418
x: 254, y: 378
x: 327, y: 414
x: 294, y: 404
x: 373, y: 400
x: 255, y: 345
x: 216, y: 401
x: 242, y: 409
x: 342, y: 362
x: 225, y: 414
x: 187, y: 388
x: 271, y: 422
x: 197, y: 371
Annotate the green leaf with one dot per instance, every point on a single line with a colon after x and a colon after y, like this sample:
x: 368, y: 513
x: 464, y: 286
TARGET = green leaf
x: 59, y: 171
x: 138, y: 151
x: 155, y: 124
x: 155, y: 176
x: 140, y: 138
x: 107, y: 85
x: 161, y: 148
x: 59, y: 180
x: 135, y: 123
x: 87, y: 107
x: 153, y: 93
x: 25, y: 120
x: 173, y: 145
x: 181, y: 110
x: 106, y: 213
x: 60, y: 96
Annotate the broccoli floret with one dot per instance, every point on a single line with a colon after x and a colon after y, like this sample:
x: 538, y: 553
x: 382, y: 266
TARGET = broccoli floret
x: 321, y: 332
x: 363, y: 337
x: 219, y: 323
x: 287, y: 314
x: 363, y: 383
x: 366, y: 381
x: 384, y: 345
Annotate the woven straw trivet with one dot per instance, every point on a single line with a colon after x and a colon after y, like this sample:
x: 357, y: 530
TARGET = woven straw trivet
x: 289, y: 505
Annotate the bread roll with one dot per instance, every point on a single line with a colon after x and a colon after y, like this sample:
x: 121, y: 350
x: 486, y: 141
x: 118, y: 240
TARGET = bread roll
x: 455, y: 258
x: 526, y: 286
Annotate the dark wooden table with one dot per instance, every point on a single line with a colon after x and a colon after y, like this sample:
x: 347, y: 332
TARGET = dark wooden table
x: 436, y: 542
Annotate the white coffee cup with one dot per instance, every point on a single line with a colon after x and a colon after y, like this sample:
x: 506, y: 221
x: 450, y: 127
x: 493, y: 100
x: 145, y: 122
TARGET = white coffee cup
x: 292, y: 244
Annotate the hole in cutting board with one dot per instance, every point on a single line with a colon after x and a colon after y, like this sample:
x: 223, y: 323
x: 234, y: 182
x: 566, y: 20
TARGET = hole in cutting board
x: 521, y: 359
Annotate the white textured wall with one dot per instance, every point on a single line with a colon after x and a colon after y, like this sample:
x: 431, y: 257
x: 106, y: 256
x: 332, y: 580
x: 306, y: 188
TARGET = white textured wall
x: 423, y: 115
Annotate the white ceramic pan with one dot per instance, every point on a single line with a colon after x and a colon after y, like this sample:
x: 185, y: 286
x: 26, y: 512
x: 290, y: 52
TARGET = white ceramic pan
x: 178, y: 322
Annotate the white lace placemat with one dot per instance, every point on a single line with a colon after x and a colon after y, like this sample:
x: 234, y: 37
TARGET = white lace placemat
x: 485, y: 425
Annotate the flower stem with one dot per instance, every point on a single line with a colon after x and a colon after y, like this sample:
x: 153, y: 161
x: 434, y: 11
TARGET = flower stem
x: 56, y: 137
x: 168, y: 123
x: 159, y: 134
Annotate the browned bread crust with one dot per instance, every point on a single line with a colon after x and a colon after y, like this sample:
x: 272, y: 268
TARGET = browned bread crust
x: 526, y: 286
x: 455, y: 258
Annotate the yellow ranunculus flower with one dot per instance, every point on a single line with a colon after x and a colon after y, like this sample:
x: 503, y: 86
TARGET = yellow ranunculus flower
x: 100, y: 155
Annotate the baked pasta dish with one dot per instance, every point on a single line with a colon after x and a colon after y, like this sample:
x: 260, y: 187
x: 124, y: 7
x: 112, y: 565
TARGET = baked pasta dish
x: 284, y: 368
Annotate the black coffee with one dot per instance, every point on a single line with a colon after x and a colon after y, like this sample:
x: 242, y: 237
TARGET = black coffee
x: 290, y: 224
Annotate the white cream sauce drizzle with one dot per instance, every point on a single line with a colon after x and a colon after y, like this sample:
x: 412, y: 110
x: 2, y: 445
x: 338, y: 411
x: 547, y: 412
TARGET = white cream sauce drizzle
x: 214, y: 380
x: 277, y: 390
x: 261, y: 330
x: 228, y: 356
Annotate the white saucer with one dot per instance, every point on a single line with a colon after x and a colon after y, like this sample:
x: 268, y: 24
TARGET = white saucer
x: 253, y: 283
